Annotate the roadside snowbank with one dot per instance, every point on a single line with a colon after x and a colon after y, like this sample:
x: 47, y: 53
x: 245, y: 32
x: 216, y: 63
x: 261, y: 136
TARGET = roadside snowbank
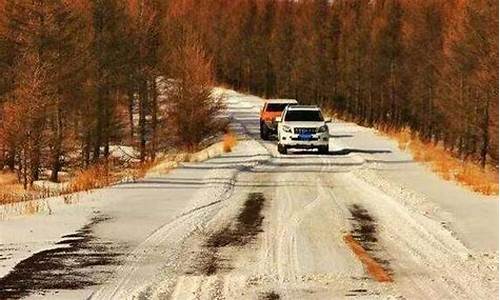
x: 173, y: 161
x: 38, y: 225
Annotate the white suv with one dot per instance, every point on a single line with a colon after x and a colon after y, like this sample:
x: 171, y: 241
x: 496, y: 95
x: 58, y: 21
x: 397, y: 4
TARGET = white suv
x: 303, y: 127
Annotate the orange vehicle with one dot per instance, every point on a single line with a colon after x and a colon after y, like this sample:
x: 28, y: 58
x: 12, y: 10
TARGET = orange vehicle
x: 272, y: 109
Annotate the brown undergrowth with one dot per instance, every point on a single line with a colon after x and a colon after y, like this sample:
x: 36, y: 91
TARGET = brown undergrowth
x: 443, y: 162
x: 440, y: 160
x: 102, y: 174
x: 229, y: 141
x: 105, y: 173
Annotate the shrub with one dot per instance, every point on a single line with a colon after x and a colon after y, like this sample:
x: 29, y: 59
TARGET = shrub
x: 229, y: 141
x: 194, y: 109
x: 96, y: 176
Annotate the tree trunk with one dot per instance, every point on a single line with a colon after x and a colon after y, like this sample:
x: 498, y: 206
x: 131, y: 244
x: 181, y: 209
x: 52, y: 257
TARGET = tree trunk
x: 430, y: 111
x: 99, y: 125
x: 35, y: 154
x: 108, y: 114
x: 97, y: 144
x: 56, y: 154
x: 24, y: 169
x: 142, y: 120
x: 154, y: 120
x: 485, y: 134
x: 394, y: 108
x: 10, y: 161
x: 131, y: 113
x: 86, y: 150
x: 370, y: 104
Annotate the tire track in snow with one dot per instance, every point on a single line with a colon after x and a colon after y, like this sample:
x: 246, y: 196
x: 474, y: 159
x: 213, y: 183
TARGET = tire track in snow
x: 130, y: 281
x: 427, y: 260
x: 176, y: 230
x: 245, y: 230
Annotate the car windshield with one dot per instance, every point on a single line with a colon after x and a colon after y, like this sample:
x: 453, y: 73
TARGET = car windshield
x: 275, y: 107
x: 304, y: 115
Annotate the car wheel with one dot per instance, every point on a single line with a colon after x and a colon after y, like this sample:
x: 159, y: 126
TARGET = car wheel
x: 324, y: 149
x: 282, y: 149
x: 264, y: 132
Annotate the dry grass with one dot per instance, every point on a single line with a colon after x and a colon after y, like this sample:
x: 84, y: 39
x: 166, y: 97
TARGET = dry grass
x: 12, y: 191
x: 105, y: 174
x: 444, y: 163
x: 229, y: 141
x: 96, y: 176
x: 185, y: 157
x: 7, y: 178
x: 330, y: 113
x: 32, y: 207
x: 70, y: 199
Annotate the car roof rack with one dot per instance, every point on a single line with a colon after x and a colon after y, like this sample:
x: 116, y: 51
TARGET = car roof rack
x: 291, y: 101
x: 301, y: 107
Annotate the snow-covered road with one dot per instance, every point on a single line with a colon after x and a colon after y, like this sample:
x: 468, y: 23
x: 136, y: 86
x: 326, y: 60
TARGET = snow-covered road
x: 365, y: 221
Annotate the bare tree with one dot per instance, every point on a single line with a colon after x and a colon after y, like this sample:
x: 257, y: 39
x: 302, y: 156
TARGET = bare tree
x: 193, y: 108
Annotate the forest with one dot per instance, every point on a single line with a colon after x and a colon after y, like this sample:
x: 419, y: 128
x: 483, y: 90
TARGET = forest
x: 79, y: 76
x: 428, y: 65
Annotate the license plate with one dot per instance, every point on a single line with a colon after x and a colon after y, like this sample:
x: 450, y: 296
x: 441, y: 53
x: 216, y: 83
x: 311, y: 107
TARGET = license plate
x: 305, y: 136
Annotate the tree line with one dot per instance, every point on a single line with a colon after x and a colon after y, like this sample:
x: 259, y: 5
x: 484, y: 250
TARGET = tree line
x: 81, y: 76
x: 428, y: 65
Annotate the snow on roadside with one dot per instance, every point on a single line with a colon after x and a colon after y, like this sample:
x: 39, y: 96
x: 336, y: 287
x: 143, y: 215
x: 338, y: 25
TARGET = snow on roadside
x: 471, y: 217
x: 22, y: 236
x: 38, y: 225
x: 32, y: 226
x: 53, y: 187
x: 131, y: 278
x: 370, y: 159
x: 413, y: 200
x: 173, y: 161
x: 124, y: 153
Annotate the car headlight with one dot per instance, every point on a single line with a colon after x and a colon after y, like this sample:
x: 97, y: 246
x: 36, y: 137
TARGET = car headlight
x: 323, y: 128
x: 287, y: 129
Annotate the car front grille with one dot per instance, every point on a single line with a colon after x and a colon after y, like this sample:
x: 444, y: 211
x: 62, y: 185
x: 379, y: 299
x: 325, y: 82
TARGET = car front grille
x: 304, y: 130
x: 307, y: 139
